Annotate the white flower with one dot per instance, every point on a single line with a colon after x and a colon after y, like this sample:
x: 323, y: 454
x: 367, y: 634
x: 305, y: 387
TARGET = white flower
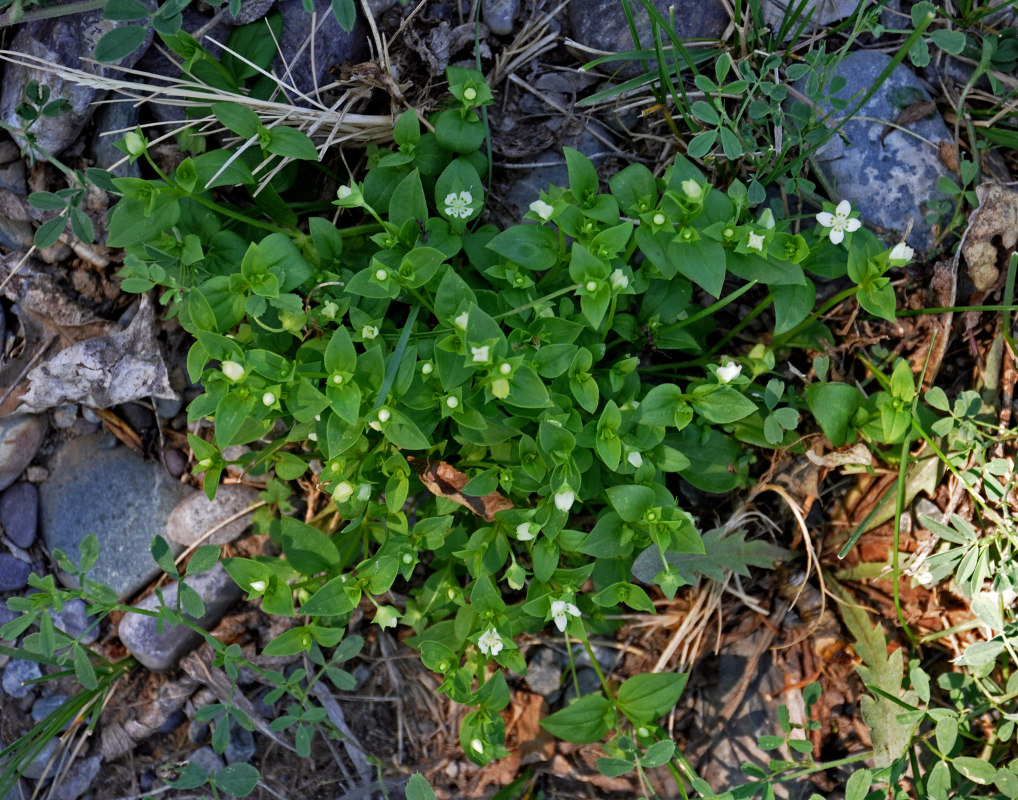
x: 461, y: 321
x: 268, y: 398
x: 542, y: 209
x: 505, y: 368
x: 258, y: 586
x: 481, y: 355
x: 635, y: 459
x: 458, y: 205
x: 490, y: 643
x: 427, y: 368
x: 658, y: 218
x: 452, y: 401
x: 756, y: 242
x: 232, y: 370
x: 313, y: 437
x: 560, y: 612
x: 381, y: 275
x: 524, y: 531
x: 729, y: 372
x: 343, y: 192
x: 343, y: 492
x: 369, y: 332
x: 900, y: 255
x: 839, y: 222
x: 692, y: 189
x: 500, y: 388
x: 469, y: 94
x: 591, y: 286
x: 564, y: 498
x: 618, y: 280
x: 384, y: 415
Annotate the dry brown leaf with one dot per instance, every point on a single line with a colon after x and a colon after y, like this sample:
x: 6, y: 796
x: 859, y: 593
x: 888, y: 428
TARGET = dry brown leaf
x: 912, y: 113
x: 949, y: 156
x: 997, y: 215
x: 534, y: 742
x: 444, y: 480
x: 860, y: 454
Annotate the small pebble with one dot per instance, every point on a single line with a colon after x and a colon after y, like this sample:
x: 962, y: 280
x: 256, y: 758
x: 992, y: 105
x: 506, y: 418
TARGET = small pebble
x: 207, y: 759
x: 19, y: 513
x: 499, y: 15
x: 13, y: 573
x: 74, y: 622
x: 241, y: 747
x: 89, y: 414
x: 36, y: 474
x: 17, y: 674
x: 37, y: 767
x: 137, y: 416
x: 64, y: 416
x: 45, y: 706
x: 176, y: 462
x: 168, y: 409
x: 78, y: 779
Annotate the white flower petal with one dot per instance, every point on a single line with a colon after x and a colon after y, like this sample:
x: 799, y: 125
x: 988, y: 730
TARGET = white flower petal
x: 729, y: 372
x: 450, y: 198
x: 837, y: 235
x: 560, y: 622
x: 844, y: 208
x: 852, y: 225
x: 825, y: 218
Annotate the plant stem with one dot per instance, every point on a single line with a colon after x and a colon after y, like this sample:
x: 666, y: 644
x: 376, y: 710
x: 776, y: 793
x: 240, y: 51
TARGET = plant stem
x: 838, y: 298
x: 742, y: 323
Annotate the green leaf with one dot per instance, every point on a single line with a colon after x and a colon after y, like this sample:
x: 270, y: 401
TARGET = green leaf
x: 658, y: 754
x: 408, y: 201
x: 582, y: 175
x: 834, y: 406
x: 978, y: 770
x: 291, y: 143
x: 82, y: 226
x: 587, y: 720
x: 119, y: 42
x: 792, y: 304
x: 203, y: 559
x: 163, y: 556
x: 531, y: 246
x: 403, y: 432
x: 49, y: 232
x: 946, y: 732
x: 631, y: 502
x: 720, y: 553
x: 658, y: 408
x: 722, y: 404
x: 308, y: 550
x: 702, y: 261
x: 647, y: 697
x: 614, y: 767
x: 952, y: 42
x: 239, y: 119
x: 238, y: 780
x: 83, y: 669
x: 345, y: 12
x: 125, y: 11
x: 858, y: 784
x: 417, y: 788
x: 332, y: 600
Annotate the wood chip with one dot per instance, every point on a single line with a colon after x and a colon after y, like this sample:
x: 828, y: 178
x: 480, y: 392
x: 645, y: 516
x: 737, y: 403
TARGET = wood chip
x: 444, y: 480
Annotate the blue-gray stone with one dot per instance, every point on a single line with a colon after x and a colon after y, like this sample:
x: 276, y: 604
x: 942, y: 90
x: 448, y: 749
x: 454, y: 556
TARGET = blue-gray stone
x: 161, y: 652
x: 544, y: 672
x: 207, y: 759
x: 73, y: 621
x: 17, y: 674
x: 114, y: 117
x: 499, y: 15
x: 62, y: 40
x: 40, y: 765
x: 13, y: 573
x: 45, y: 706
x: 332, y: 45
x: 20, y: 437
x: 241, y: 747
x: 19, y: 513
x: 78, y: 779
x: 602, y: 25
x: 889, y: 180
x: 115, y: 495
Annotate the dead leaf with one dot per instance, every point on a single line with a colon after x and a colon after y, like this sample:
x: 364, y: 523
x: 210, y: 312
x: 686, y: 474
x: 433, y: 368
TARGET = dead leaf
x: 444, y: 480
x: 103, y: 371
x: 859, y: 454
x: 535, y: 743
x: 949, y: 155
x: 912, y: 113
x: 997, y: 215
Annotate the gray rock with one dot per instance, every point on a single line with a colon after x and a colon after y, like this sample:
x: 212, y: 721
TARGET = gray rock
x: 15, y: 234
x: 332, y: 45
x: 499, y: 15
x: 818, y: 12
x: 117, y: 496
x: 168, y: 409
x: 12, y: 178
x: 207, y: 759
x: 588, y: 681
x: 17, y: 674
x: 161, y: 652
x: 602, y: 25
x: 114, y: 117
x: 18, y: 791
x: 176, y: 462
x: 45, y: 706
x: 198, y: 732
x: 251, y: 11
x: 13, y: 573
x: 40, y: 765
x: 65, y: 416
x: 889, y: 182
x: 20, y: 437
x: 78, y: 779
x: 19, y: 513
x: 241, y: 747
x: 544, y: 672
x: 74, y: 622
x: 195, y: 515
x: 61, y: 40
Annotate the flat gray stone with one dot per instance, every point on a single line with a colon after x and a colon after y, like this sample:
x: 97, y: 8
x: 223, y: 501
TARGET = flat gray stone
x: 207, y: 759
x: 332, y: 45
x: 889, y: 180
x: 117, y: 496
x: 114, y: 117
x: 196, y: 514
x: 40, y: 765
x: 13, y: 573
x: 63, y: 40
x: 161, y: 652
x: 19, y: 513
x: 45, y: 706
x: 818, y: 12
x: 602, y: 25
x: 17, y: 674
x: 73, y: 621
x: 544, y: 672
x: 78, y: 779
x: 20, y: 437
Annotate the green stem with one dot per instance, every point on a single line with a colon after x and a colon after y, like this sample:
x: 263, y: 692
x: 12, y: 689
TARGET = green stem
x: 593, y: 662
x: 838, y: 298
x: 541, y: 299
x: 742, y: 323
x: 13, y: 18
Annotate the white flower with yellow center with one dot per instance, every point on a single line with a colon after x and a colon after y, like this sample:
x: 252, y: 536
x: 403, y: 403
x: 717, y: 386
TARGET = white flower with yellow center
x: 839, y: 222
x: 561, y: 610
x: 490, y: 643
x: 618, y: 280
x: 729, y: 372
x: 369, y: 332
x: 459, y: 205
